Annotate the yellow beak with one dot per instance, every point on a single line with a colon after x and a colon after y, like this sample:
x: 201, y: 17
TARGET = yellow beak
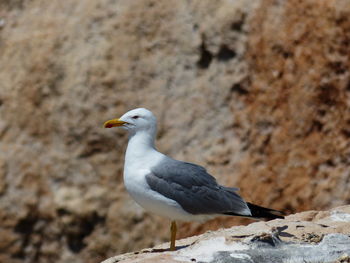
x: 114, y: 123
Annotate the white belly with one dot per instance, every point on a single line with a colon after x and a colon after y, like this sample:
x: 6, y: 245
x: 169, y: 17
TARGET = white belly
x: 154, y: 202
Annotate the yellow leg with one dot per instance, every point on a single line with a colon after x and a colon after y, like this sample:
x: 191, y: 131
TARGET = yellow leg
x: 173, y: 235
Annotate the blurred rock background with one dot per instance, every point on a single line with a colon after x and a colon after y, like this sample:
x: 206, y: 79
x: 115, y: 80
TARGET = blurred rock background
x: 256, y: 91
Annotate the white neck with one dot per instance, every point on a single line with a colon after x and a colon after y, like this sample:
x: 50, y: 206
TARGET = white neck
x: 139, y: 145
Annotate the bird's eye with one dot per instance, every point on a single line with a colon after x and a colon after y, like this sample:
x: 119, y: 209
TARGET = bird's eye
x: 135, y: 117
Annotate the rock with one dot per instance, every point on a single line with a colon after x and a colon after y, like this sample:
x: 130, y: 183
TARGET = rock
x: 325, y: 237
x: 3, y: 183
x: 255, y: 91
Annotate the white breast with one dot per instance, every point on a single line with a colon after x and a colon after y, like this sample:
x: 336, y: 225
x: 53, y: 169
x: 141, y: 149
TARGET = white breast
x: 139, y: 160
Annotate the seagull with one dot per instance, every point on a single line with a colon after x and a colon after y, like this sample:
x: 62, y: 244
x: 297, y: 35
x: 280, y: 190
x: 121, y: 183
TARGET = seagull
x: 175, y: 189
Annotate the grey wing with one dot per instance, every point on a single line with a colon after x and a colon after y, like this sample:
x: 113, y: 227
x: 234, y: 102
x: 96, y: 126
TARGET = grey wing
x: 194, y: 189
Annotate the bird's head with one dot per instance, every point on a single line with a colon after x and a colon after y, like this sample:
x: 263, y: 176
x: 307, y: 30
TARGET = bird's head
x: 139, y: 119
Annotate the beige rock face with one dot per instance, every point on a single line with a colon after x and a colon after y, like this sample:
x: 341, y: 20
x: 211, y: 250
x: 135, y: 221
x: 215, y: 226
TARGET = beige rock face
x: 297, y: 232
x: 256, y: 91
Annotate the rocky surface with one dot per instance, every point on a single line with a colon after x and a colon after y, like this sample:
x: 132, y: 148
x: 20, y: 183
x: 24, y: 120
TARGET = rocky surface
x: 256, y: 91
x: 311, y: 237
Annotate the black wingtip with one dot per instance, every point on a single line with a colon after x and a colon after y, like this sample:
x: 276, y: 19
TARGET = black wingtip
x: 263, y: 212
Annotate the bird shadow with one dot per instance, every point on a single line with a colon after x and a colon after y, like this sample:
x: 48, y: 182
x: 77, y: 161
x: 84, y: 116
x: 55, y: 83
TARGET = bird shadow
x: 159, y: 250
